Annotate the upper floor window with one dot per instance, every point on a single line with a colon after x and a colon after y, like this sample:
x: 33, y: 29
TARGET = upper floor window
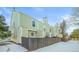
x: 33, y: 23
x: 32, y: 34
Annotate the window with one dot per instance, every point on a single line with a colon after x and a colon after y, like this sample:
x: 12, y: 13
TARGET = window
x: 32, y: 34
x: 33, y: 23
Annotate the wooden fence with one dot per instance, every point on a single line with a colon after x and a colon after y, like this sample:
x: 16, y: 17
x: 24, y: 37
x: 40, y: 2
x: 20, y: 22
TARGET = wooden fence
x: 35, y: 43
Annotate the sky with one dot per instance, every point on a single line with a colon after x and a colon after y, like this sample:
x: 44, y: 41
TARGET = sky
x: 54, y: 14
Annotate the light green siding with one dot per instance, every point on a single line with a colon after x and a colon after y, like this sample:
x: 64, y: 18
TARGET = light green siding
x: 21, y: 26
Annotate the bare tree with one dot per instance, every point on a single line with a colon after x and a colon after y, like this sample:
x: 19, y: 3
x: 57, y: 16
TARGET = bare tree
x: 63, y: 28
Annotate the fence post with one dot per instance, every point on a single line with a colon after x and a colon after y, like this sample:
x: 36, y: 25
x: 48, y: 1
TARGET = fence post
x: 29, y: 43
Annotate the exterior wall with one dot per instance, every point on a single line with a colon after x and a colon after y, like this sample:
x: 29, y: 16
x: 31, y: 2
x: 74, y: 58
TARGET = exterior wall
x: 14, y: 26
x: 26, y: 21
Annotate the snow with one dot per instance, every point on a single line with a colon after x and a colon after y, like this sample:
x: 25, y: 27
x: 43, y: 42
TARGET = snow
x: 69, y: 46
x: 12, y: 47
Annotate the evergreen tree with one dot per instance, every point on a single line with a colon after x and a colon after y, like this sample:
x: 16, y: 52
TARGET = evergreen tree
x: 4, y: 32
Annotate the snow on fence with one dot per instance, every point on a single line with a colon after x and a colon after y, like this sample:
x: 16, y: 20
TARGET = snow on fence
x: 36, y: 43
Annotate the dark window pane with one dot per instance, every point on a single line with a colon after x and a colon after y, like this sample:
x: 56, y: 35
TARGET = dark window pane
x: 33, y: 23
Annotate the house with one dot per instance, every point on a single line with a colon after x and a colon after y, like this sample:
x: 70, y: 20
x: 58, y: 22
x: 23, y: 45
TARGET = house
x: 23, y: 25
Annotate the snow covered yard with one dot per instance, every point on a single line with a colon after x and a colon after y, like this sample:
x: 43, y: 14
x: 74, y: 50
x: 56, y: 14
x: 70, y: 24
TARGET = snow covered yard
x: 69, y: 46
x: 12, y: 47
